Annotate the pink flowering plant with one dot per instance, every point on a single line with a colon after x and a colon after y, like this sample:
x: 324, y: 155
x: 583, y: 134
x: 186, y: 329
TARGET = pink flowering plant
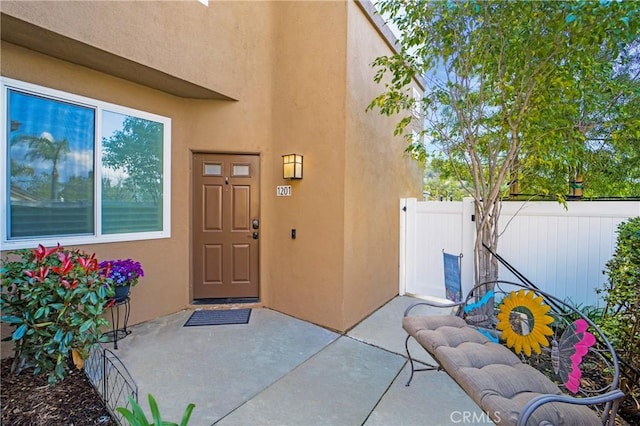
x: 55, y: 298
x: 122, y: 272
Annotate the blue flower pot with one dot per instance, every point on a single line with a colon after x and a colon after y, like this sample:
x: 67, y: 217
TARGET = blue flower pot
x: 121, y: 292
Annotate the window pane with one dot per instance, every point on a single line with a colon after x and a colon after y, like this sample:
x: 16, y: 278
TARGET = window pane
x: 241, y: 170
x: 214, y: 169
x: 132, y: 163
x: 51, y: 152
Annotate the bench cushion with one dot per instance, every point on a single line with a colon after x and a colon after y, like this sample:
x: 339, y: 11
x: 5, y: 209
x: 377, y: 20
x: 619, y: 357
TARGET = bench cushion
x: 491, y: 374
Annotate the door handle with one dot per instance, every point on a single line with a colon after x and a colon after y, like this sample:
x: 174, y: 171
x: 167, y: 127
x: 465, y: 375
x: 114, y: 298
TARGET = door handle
x: 255, y: 235
x: 255, y: 224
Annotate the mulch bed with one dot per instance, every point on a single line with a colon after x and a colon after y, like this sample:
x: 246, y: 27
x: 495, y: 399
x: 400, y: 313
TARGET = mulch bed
x: 29, y: 400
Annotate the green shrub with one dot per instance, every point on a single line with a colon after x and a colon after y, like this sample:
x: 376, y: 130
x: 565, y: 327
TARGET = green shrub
x: 55, y: 298
x: 621, y: 317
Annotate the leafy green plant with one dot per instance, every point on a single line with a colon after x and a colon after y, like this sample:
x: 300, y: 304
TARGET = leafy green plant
x: 136, y: 416
x: 521, y: 97
x: 594, y: 313
x: 621, y: 316
x: 55, y: 298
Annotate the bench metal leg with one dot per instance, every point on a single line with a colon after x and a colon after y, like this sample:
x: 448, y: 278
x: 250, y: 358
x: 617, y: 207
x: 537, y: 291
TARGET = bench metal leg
x: 412, y: 362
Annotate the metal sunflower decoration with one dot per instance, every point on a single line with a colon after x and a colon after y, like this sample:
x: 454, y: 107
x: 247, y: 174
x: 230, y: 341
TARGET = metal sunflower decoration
x: 524, y: 322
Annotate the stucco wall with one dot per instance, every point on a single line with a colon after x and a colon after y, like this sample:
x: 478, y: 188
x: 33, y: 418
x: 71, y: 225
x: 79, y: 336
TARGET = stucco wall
x: 197, y: 125
x: 309, y: 119
x: 377, y: 174
x: 301, y: 77
x: 205, y: 45
x: 164, y: 288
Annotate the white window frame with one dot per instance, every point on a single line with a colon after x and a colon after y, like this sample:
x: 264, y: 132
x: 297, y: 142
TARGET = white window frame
x: 98, y: 106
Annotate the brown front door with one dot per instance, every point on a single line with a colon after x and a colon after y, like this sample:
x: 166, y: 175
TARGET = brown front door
x: 226, y: 225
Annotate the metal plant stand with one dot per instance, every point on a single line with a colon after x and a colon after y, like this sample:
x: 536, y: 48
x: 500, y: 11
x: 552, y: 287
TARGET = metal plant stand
x: 119, y: 310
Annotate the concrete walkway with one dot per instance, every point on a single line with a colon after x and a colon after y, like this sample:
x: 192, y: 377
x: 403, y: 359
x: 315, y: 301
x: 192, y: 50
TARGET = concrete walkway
x: 278, y: 370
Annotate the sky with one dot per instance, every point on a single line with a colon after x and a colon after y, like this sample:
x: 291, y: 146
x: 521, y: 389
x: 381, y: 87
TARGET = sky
x: 58, y: 120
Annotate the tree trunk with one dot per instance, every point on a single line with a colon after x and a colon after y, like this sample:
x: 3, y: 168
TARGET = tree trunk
x: 486, y: 266
x: 514, y: 182
x: 54, y: 182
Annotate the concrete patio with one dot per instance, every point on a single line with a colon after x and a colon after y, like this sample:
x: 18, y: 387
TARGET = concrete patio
x: 278, y: 370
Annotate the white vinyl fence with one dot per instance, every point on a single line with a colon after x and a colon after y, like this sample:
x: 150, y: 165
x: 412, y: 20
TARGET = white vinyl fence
x: 563, y: 252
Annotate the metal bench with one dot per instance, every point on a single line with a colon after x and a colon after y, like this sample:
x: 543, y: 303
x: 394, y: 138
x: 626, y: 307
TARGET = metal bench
x: 522, y: 355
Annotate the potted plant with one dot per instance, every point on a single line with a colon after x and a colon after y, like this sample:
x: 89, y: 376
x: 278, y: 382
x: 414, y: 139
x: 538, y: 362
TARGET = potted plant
x: 122, y: 274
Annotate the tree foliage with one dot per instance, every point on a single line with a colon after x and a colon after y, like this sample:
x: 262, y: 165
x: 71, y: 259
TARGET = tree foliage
x: 137, y: 151
x: 47, y: 149
x: 606, y: 119
x: 621, y: 317
x: 509, y: 90
x: 440, y: 186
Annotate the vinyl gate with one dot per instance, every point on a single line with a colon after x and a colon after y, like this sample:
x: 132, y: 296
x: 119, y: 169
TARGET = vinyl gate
x: 561, y: 251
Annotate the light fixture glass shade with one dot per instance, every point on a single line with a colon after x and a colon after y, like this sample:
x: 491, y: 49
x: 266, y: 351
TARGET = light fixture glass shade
x: 292, y: 166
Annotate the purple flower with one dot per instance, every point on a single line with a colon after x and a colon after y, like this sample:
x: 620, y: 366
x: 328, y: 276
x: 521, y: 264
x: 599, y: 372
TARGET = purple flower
x: 122, y: 272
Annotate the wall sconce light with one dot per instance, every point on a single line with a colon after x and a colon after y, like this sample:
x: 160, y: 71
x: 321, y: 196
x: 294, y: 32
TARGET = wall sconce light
x: 292, y: 166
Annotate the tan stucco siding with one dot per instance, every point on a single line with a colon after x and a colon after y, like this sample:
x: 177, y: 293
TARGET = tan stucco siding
x: 378, y: 174
x: 309, y: 119
x: 164, y: 289
x: 197, y: 125
x: 300, y: 76
x: 203, y: 45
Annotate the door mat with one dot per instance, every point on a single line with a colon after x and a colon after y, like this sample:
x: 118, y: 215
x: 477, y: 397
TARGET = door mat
x: 218, y: 317
x: 225, y: 300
